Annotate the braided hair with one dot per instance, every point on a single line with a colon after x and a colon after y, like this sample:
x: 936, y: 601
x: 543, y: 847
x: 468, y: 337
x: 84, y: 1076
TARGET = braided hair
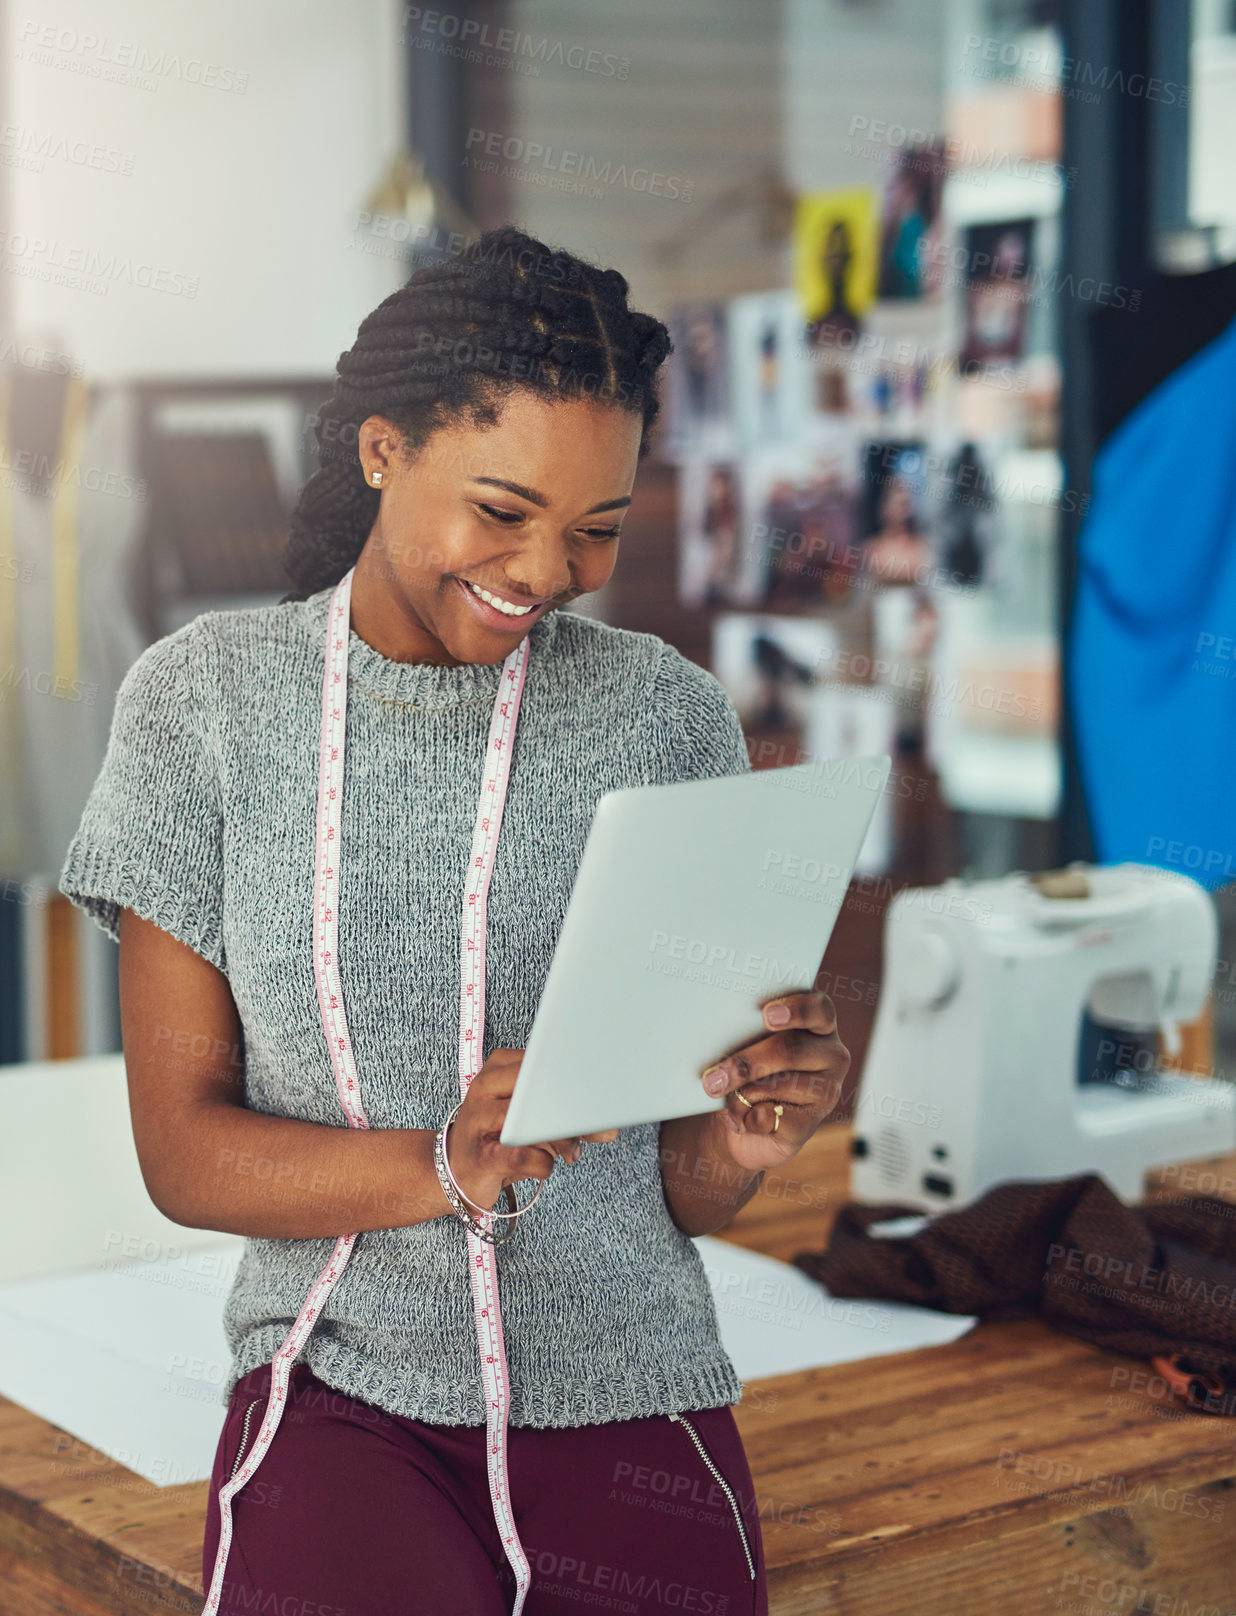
x: 456, y: 340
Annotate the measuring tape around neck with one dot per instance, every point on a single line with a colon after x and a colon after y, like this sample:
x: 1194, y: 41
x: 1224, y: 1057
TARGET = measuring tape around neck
x: 482, y: 1265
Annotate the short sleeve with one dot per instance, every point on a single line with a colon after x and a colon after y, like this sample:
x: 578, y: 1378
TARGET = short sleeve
x: 150, y: 837
x: 697, y: 734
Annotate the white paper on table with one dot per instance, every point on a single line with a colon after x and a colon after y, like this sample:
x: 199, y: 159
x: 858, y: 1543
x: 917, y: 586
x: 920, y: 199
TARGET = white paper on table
x: 776, y: 1320
x: 130, y: 1360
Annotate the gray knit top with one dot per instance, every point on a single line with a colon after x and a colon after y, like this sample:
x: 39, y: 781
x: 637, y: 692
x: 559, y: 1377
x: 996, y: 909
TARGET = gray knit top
x: 202, y: 820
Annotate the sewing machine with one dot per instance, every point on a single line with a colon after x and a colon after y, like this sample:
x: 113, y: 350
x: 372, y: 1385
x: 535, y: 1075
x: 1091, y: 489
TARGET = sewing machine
x: 1018, y: 1036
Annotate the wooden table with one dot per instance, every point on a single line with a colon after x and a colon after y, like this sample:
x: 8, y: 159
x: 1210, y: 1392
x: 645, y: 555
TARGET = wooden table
x: 1014, y: 1472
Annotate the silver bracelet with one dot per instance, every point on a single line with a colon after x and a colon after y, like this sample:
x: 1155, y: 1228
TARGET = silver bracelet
x: 454, y: 1197
x: 459, y: 1201
x: 509, y: 1192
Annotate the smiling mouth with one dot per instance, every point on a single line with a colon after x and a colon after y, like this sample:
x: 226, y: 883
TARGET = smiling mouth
x: 499, y: 613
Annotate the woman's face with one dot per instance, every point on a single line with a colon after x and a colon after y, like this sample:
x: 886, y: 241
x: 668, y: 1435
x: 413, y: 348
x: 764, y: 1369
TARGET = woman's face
x: 720, y: 484
x: 700, y: 334
x: 837, y: 248
x: 898, y: 505
x: 528, y: 509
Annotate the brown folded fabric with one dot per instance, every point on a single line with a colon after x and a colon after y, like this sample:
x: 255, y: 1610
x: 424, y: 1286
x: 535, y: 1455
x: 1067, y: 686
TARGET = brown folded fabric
x: 1156, y: 1281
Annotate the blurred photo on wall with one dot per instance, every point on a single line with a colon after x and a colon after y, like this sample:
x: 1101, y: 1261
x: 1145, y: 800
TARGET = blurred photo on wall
x: 997, y: 291
x: 909, y: 216
x: 770, y: 665
x: 835, y: 263
x: 698, y: 396
x: 769, y: 375
x: 893, y: 512
x: 804, y: 511
x: 709, y: 523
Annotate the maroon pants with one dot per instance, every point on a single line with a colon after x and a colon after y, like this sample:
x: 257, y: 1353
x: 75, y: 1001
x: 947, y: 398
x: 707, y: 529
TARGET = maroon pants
x: 356, y: 1512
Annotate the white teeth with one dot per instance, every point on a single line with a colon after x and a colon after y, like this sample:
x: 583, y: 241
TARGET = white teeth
x: 511, y: 611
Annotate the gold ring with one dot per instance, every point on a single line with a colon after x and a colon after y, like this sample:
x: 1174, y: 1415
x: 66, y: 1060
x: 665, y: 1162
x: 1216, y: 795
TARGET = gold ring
x: 741, y: 1096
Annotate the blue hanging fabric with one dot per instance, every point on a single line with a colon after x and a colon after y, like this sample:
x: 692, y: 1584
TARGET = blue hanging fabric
x: 1152, y: 652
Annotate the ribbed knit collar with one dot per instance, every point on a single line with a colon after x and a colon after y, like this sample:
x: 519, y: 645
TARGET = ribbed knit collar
x: 418, y: 684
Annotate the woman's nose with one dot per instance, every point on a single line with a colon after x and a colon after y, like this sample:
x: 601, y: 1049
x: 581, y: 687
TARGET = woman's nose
x: 539, y: 568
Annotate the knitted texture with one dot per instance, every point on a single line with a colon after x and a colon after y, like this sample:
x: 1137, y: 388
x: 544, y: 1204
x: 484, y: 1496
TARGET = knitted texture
x: 202, y: 820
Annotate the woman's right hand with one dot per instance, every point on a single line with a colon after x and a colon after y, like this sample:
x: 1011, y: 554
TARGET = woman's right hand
x: 481, y: 1164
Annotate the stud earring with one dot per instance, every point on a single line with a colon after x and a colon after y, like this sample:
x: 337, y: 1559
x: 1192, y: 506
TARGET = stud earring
x: 377, y: 478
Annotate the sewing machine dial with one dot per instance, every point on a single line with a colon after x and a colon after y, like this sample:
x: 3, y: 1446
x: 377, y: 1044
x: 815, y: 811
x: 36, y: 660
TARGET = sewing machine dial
x: 931, y: 970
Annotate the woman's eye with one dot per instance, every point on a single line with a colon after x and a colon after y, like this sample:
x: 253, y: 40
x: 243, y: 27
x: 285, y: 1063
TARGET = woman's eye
x: 509, y: 518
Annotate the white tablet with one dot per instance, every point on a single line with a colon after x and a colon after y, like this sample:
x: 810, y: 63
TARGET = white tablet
x: 693, y: 903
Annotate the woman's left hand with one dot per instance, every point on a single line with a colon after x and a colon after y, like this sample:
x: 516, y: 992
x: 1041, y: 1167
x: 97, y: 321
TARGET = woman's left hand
x: 799, y: 1068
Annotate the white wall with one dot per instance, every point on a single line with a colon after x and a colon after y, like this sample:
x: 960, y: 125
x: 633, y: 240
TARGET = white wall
x: 247, y: 185
x: 879, y: 60
x: 697, y: 104
x: 714, y: 91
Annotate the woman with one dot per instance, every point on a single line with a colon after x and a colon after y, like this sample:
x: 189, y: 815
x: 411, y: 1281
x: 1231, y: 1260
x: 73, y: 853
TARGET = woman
x: 720, y: 530
x: 897, y: 552
x: 478, y: 451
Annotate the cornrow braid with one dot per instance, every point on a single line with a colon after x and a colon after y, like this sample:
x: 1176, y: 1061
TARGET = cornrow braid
x: 449, y: 347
